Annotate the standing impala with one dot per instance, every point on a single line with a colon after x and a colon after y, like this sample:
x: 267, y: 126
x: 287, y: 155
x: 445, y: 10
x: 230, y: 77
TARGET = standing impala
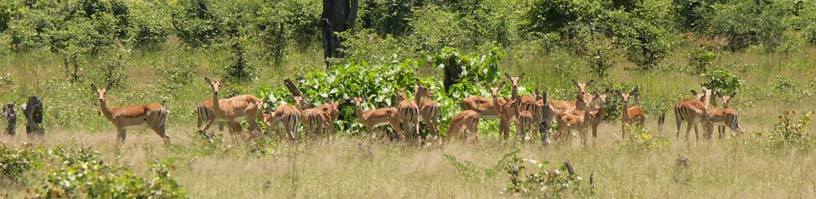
x: 152, y: 115
x: 577, y: 118
x: 632, y: 113
x: 507, y: 111
x: 285, y: 115
x: 204, y: 110
x: 428, y: 109
x: 527, y: 102
x: 232, y: 110
x: 378, y: 117
x: 692, y: 111
x: 566, y: 105
x: 595, y: 116
x: 725, y: 115
x: 408, y: 113
x: 464, y: 123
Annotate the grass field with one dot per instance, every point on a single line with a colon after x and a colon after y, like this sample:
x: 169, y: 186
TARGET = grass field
x: 346, y: 168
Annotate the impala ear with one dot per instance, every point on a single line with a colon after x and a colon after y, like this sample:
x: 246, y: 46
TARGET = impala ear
x: 694, y: 92
x: 207, y: 79
x: 486, y: 86
x: 589, y: 83
x: 108, y: 87
x: 93, y: 86
x: 733, y: 94
x: 522, y: 76
x: 575, y: 82
x: 507, y: 75
x: 501, y: 85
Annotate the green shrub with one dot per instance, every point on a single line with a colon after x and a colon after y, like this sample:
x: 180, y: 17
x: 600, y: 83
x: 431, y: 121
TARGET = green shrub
x: 722, y: 80
x: 81, y: 174
x: 540, y: 181
x: 640, y: 139
x: 149, y: 24
x: 701, y: 59
x: 791, y: 133
x: 195, y: 22
x: 14, y: 163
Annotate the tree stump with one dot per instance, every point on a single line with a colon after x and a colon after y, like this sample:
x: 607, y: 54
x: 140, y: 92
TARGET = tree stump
x: 33, y: 110
x: 453, y: 72
x: 11, y: 116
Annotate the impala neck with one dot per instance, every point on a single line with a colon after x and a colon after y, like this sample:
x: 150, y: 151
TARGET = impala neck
x: 103, y: 107
x: 514, y: 93
x: 216, y: 105
x: 359, y: 111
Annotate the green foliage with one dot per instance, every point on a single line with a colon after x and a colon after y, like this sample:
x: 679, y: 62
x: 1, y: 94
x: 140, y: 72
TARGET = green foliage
x: 701, y: 59
x: 82, y: 173
x: 552, y: 15
x: 540, y: 181
x: 722, y: 80
x: 111, y: 70
x: 14, y: 163
x: 645, y: 40
x: 195, y: 22
x: 473, y: 172
x: 789, y: 132
x: 149, y: 25
x: 640, y: 139
x: 746, y: 23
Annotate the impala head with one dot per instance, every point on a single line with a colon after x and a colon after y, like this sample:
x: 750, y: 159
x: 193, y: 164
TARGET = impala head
x: 582, y: 87
x: 422, y: 91
x: 704, y: 92
x: 726, y: 99
x: 100, y: 92
x: 494, y: 91
x: 298, y: 100
x: 358, y: 101
x: 585, y: 101
x: 601, y: 97
x: 214, y: 85
x: 514, y: 82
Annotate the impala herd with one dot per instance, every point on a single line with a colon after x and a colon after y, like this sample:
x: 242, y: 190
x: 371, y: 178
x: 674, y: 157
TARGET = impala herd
x: 529, y: 113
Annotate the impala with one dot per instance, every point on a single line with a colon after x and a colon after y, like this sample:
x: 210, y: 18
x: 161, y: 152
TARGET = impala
x: 372, y: 119
x: 565, y: 105
x: 595, y: 116
x: 314, y: 121
x: 205, y: 112
x: 285, y: 115
x: 463, y: 123
x: 726, y: 115
x: 576, y: 119
x: 525, y: 121
x: 232, y: 110
x: 332, y: 111
x: 408, y: 113
x: 507, y: 111
x: 526, y: 103
x: 692, y: 111
x: 632, y: 113
x: 428, y: 109
x: 152, y: 115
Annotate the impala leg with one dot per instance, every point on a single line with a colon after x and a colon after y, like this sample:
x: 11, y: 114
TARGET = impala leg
x: 121, y: 135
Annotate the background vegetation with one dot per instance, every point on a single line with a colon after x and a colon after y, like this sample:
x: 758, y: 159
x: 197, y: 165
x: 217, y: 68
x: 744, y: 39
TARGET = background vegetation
x: 158, y: 51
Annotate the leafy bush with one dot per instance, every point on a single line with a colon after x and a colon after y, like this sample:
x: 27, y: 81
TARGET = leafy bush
x: 539, y: 181
x: 82, y: 173
x: 644, y: 140
x: 149, y: 24
x: 723, y: 81
x: 790, y: 133
x: 746, y: 23
x: 646, y: 41
x: 195, y: 22
x: 14, y: 163
x: 701, y: 59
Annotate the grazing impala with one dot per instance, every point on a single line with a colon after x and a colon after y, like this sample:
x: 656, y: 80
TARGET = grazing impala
x: 692, y: 111
x: 726, y: 115
x: 465, y: 122
x: 232, y: 110
x: 285, y: 115
x: 378, y: 117
x: 408, y: 113
x: 152, y: 115
x: 428, y: 109
x: 632, y: 113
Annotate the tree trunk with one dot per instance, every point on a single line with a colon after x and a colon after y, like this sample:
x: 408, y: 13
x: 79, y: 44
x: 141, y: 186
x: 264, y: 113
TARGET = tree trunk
x: 453, y: 72
x: 338, y: 16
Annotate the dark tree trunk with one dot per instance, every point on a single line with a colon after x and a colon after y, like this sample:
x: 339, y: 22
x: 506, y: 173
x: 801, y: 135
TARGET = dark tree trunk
x: 33, y: 110
x: 453, y: 72
x: 338, y: 16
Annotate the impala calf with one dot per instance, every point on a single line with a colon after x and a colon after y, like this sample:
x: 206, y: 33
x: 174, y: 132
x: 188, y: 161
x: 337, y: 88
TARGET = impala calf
x: 152, y: 115
x: 596, y: 116
x: 576, y: 119
x: 725, y: 115
x: 372, y: 119
x: 464, y: 123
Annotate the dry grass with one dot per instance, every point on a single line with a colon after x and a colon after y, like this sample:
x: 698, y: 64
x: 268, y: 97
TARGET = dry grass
x: 347, y: 168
